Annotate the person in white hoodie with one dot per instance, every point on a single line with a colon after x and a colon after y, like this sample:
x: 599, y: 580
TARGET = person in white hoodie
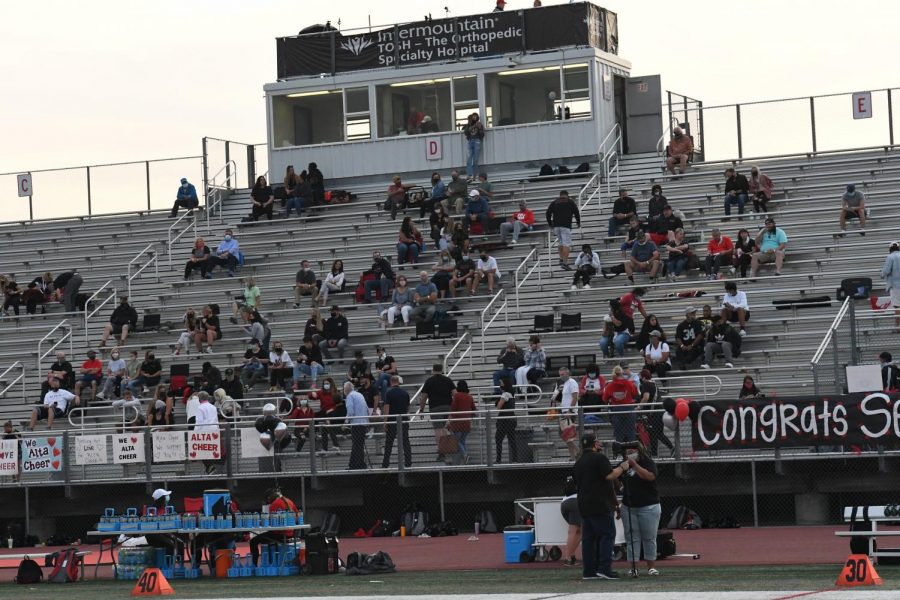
x: 890, y: 272
x: 587, y: 264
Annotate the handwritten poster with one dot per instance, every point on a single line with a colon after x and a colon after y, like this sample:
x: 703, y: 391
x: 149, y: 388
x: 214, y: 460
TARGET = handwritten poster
x: 203, y: 445
x: 168, y: 446
x: 90, y: 449
x: 9, y: 457
x: 128, y: 448
x: 42, y: 455
x: 250, y: 446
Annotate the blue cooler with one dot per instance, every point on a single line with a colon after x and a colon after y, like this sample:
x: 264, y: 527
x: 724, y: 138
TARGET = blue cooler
x: 517, y: 540
x: 216, y: 502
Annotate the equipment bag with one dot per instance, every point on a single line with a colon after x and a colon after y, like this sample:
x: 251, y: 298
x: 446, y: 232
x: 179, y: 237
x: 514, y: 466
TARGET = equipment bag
x: 487, y: 522
x: 807, y: 302
x: 65, y: 566
x: 331, y: 524
x: 860, y: 544
x: 415, y: 521
x: 855, y: 287
x: 665, y: 545
x: 29, y: 572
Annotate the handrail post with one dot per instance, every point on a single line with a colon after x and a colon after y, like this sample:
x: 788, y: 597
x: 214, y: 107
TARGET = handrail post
x: 854, y: 349
x: 227, y: 162
x: 812, y: 120
x: 737, y: 111
x: 147, y: 171
x: 890, y: 104
x: 205, y: 167
x: 251, y: 165
x: 398, y: 439
x: 88, y: 172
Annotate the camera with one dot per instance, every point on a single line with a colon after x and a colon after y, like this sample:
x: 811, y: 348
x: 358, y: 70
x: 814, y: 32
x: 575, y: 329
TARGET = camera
x: 623, y: 447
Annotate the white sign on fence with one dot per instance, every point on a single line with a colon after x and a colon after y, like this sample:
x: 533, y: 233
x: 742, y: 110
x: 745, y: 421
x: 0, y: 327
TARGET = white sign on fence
x: 9, y: 457
x: 250, y: 446
x: 42, y: 455
x: 168, y: 446
x: 864, y: 378
x: 433, y: 148
x: 862, y: 105
x: 128, y: 448
x: 23, y: 182
x: 203, y: 445
x: 90, y: 449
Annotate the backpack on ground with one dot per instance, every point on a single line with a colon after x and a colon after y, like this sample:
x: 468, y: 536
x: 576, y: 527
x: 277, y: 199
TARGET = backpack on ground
x: 359, y: 563
x: 684, y: 518
x: 65, y: 566
x: 443, y: 529
x: 546, y: 171
x: 331, y: 524
x: 583, y: 168
x: 487, y: 522
x: 415, y: 520
x: 562, y: 170
x: 29, y: 572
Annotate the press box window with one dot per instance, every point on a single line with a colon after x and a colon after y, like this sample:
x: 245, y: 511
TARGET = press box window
x: 414, y: 107
x: 521, y: 96
x: 358, y: 119
x: 576, y: 99
x: 465, y: 99
x: 307, y: 118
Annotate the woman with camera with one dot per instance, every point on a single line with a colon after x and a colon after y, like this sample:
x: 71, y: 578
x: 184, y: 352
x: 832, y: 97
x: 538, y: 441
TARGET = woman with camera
x: 640, y: 507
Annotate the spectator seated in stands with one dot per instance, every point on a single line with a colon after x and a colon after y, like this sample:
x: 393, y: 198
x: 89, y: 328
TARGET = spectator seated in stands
x: 485, y: 187
x: 161, y: 410
x: 185, y: 198
x: 262, y: 199
x: 485, y: 269
x: 618, y: 330
x: 444, y: 268
x: 359, y: 368
x: 209, y: 330
x: 281, y: 368
x: 250, y: 297
x: 148, y: 375
x: 463, y: 275
x: 255, y: 365
x: 651, y: 323
x: 296, y: 191
x: 428, y: 125
x: 31, y: 297
x: 587, y: 264
x: 634, y: 227
x: 623, y: 209
x: 632, y: 301
x: 122, y: 320
x: 210, y: 378
x: 679, y: 252
x: 336, y: 334
x: 56, y: 402
x: 401, y: 303
x: 129, y: 401
x: 559, y: 217
x: 116, y: 373
x: 309, y: 363
x: 477, y: 210
x: 232, y: 384
x: 191, y: 326
x: 521, y: 220
x: 853, y: 206
x: 199, y: 260
x: 735, y: 307
x: 459, y: 239
x: 438, y: 220
x: 761, y: 188
x: 333, y: 283
x: 301, y: 415
x: 305, y: 283
x: 890, y: 373
x: 91, y: 374
x: 590, y: 394
x: 749, y: 391
x: 332, y: 409
x: 679, y: 151
x: 12, y: 296
x: 535, y: 364
x: 457, y: 192
x: 744, y: 248
x: 721, y: 338
x: 385, y: 368
x: 737, y: 191
x: 662, y: 227
x: 656, y: 203
x: 656, y: 355
x: 397, y: 196
x: 409, y: 243
x: 689, y: 339
x: 425, y: 297
x: 315, y: 325
x: 771, y: 241
x: 719, y: 252
x: 644, y: 258
x: 227, y: 255
x: 435, y: 198
x: 511, y: 358
x: 706, y: 318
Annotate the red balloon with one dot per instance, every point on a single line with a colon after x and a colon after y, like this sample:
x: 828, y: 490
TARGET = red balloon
x: 679, y: 400
x: 682, y: 410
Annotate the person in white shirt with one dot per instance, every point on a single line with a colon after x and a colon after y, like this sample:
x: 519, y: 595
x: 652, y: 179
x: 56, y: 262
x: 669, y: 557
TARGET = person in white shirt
x: 735, y: 307
x: 207, y: 421
x: 116, y: 372
x: 334, y: 282
x: 358, y: 419
x: 56, y: 401
x: 568, y: 405
x: 281, y: 367
x: 485, y: 268
x: 587, y: 264
x: 656, y: 355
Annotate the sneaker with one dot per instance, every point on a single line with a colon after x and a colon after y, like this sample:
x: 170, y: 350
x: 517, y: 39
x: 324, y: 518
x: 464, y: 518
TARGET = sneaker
x: 589, y: 577
x: 586, y: 287
x: 729, y: 365
x: 208, y: 350
x: 207, y: 276
x: 652, y: 572
x: 632, y: 572
x: 565, y: 266
x: 570, y: 562
x: 609, y: 575
x: 514, y: 242
x: 231, y: 273
x: 574, y: 287
x: 232, y: 320
x: 742, y: 332
x: 296, y: 305
x: 704, y: 366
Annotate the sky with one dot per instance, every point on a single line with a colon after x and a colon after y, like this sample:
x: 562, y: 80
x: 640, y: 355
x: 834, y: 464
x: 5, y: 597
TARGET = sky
x: 99, y: 81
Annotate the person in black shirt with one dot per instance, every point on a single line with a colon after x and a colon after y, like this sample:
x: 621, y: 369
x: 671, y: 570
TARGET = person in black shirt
x: 211, y: 377
x: 653, y: 421
x: 385, y: 368
x: 618, y: 330
x: 232, y: 385
x: 254, y: 369
x: 66, y: 286
x: 641, y: 508
x: 737, y: 190
x: 359, y: 368
x: 689, y: 339
x: 263, y: 199
x: 370, y: 392
x: 511, y: 358
x: 316, y: 183
x: 890, y: 373
x: 209, y: 330
x: 122, y: 319
x: 662, y: 225
x: 148, y: 374
x: 305, y: 283
x: 744, y: 247
x: 656, y: 203
x: 384, y: 277
x: 506, y: 421
x: 438, y: 393
x: 336, y: 333
x: 623, y: 209
x: 62, y: 370
x: 396, y: 402
x: 309, y: 362
x: 594, y: 477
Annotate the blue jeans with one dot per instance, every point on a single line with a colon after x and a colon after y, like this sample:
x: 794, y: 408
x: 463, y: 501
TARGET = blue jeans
x: 598, y: 535
x: 474, y: 147
x: 402, y: 249
x: 384, y: 380
x: 295, y: 202
x: 618, y: 341
x: 501, y: 374
x: 311, y: 371
x: 614, y: 225
x: 623, y: 424
x: 677, y: 265
x: 382, y: 284
x: 137, y: 385
x: 461, y: 440
x: 739, y: 199
x: 640, y: 529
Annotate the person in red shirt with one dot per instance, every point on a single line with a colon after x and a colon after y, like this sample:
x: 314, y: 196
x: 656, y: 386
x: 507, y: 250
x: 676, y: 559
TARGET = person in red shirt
x: 621, y: 394
x: 301, y: 415
x: 719, y: 251
x: 522, y: 219
x: 332, y: 408
x: 91, y: 374
x: 632, y: 300
x: 462, y: 410
x: 680, y: 149
x: 277, y: 502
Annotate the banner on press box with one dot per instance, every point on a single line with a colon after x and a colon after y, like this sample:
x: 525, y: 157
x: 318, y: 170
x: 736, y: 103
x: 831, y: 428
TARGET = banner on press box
x: 203, y: 445
x: 168, y: 446
x: 128, y: 448
x: 90, y: 450
x: 42, y: 455
x: 250, y: 446
x: 9, y: 457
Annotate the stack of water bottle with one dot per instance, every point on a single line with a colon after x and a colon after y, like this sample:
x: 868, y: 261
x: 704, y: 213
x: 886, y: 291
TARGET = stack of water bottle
x: 133, y: 561
x: 267, y: 520
x: 169, y: 521
x: 275, y: 560
x: 130, y: 521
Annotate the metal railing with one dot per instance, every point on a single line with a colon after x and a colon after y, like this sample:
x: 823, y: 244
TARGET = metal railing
x: 709, y: 385
x: 170, y: 240
x: 494, y: 308
x: 77, y: 416
x: 519, y: 279
x: 88, y: 312
x: 149, y: 250
x: 64, y: 324
x: 460, y: 350
x: 831, y: 339
x: 20, y: 378
x: 215, y: 191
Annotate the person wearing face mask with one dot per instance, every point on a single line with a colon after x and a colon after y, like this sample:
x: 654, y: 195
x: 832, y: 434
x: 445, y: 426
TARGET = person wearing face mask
x: 301, y: 416
x: 185, y: 198
x: 209, y: 330
x: 438, y: 221
x: 457, y: 190
x: 256, y: 360
x: 116, y: 371
x: 252, y: 299
x: 590, y: 392
x: 749, y: 391
x: 463, y: 274
x: 281, y: 368
x: 148, y: 375
x: 121, y: 321
x: 336, y: 334
x: 161, y: 410
x: 90, y: 375
x: 656, y: 203
x: 425, y: 297
x: 385, y: 368
x: 401, y: 303
x: 641, y: 509
x: 680, y: 149
x: 309, y: 362
x: 332, y: 411
x: 511, y: 358
x: 587, y: 264
x: 521, y: 220
x: 232, y: 385
x: 305, y: 283
x: 485, y: 268
x: 383, y: 275
x: 227, y: 254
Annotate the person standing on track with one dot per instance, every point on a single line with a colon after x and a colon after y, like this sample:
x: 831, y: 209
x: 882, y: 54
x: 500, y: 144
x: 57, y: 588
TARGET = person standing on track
x: 641, y: 509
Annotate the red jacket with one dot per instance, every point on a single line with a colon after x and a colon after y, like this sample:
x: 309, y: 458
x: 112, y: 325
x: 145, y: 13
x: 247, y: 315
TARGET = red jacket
x: 583, y: 382
x: 620, y: 391
x: 285, y: 504
x: 525, y: 216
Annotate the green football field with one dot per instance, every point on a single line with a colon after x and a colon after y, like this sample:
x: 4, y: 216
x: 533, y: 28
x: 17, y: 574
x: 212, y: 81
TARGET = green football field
x: 561, y: 581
